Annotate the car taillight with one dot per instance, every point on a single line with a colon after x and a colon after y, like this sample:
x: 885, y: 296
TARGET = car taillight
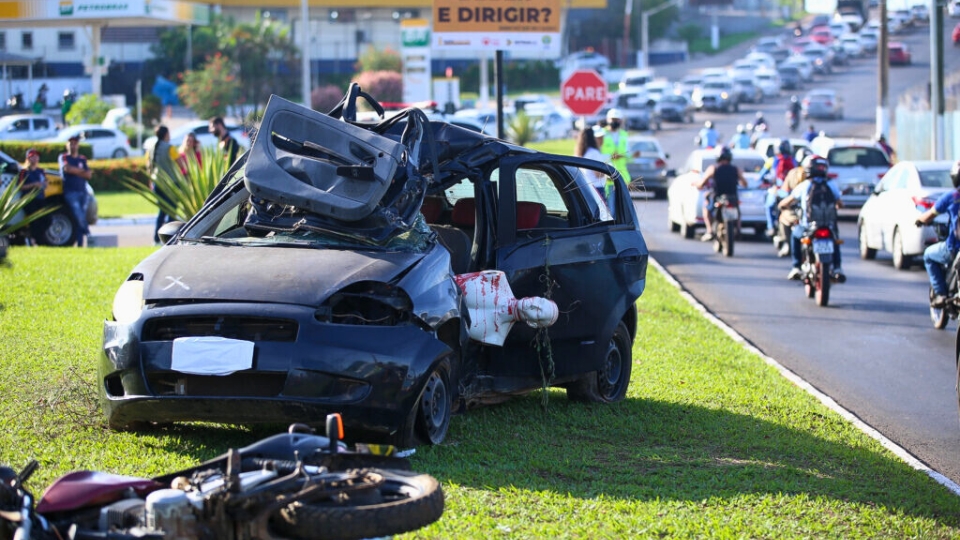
x: 831, y: 175
x: 660, y: 163
x: 923, y: 204
x: 821, y: 234
x: 828, y: 103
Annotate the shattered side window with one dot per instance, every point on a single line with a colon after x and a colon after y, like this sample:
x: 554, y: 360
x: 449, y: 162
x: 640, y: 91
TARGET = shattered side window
x: 461, y: 190
x: 534, y: 185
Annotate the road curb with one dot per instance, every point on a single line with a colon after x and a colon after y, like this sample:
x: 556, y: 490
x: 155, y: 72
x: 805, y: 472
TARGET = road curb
x: 127, y: 220
x: 897, y: 450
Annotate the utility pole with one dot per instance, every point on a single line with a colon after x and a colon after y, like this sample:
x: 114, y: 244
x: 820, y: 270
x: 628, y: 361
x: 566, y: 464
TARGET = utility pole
x: 936, y: 80
x: 883, y: 116
x: 627, y: 15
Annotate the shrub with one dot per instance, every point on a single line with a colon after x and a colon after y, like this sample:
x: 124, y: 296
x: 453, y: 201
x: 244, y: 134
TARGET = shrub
x: 151, y: 110
x: 324, y: 98
x: 386, y: 59
x: 520, y: 129
x: 209, y: 90
x: 49, y: 152
x: 384, y: 86
x: 184, y: 195
x: 689, y: 33
x: 89, y: 109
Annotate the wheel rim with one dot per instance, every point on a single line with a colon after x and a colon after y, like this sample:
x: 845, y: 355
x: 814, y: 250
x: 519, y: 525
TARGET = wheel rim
x: 611, y: 376
x: 59, y: 229
x: 434, y: 408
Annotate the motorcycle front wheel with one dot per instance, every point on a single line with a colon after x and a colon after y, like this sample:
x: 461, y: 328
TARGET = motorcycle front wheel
x: 403, y: 501
x: 728, y: 235
x: 938, y: 315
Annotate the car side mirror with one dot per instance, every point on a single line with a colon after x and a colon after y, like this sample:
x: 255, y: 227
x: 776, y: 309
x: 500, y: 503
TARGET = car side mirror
x: 169, y: 230
x: 666, y: 156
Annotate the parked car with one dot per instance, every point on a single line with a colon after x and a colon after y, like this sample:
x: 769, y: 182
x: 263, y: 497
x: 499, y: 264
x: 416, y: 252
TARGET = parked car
x: 648, y: 171
x: 685, y: 202
x: 675, y: 108
x: 201, y: 129
x: 27, y: 127
x: 107, y: 143
x: 57, y: 228
x: 822, y: 103
x: 334, y: 272
x: 898, y: 54
x: 855, y: 164
x: 886, y: 221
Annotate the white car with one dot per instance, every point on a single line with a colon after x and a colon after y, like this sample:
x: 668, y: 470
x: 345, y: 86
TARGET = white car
x: 107, y: 143
x: 685, y: 202
x: 803, y: 64
x: 768, y: 81
x: 770, y: 146
x: 764, y: 59
x: 886, y: 221
x: 851, y: 45
x: 869, y: 40
x: 550, y: 124
x: 855, y: 164
x: 656, y: 90
x: 201, y: 130
x: 27, y: 127
x: 635, y: 79
x: 954, y: 8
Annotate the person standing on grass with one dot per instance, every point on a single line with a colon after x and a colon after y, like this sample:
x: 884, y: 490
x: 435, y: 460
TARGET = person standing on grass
x: 75, y: 173
x: 228, y: 145
x: 32, y: 179
x: 161, y: 159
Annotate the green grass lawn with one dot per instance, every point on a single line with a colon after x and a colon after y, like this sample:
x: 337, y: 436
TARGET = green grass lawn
x: 123, y: 203
x: 711, y: 442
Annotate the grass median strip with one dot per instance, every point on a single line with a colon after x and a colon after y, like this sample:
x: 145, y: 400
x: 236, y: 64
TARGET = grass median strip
x: 710, y: 442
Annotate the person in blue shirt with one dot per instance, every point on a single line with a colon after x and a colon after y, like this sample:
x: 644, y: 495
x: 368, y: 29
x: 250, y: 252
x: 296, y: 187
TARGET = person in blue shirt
x: 811, y: 134
x: 708, y: 136
x: 741, y: 139
x: 75, y: 173
x: 815, y: 169
x: 939, y: 256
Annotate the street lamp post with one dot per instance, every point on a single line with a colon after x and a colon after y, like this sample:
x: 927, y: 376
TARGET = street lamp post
x: 645, y: 28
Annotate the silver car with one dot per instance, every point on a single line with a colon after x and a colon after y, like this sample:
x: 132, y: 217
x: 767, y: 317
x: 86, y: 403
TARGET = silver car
x: 855, y: 164
x: 648, y: 170
x: 822, y: 103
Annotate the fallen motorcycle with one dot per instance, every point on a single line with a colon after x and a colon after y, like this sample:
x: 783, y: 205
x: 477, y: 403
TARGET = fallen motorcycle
x: 294, y: 485
x: 816, y: 270
x: 726, y: 224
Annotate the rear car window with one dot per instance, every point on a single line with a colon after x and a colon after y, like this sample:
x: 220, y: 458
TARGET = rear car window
x: 857, y: 156
x: 935, y: 179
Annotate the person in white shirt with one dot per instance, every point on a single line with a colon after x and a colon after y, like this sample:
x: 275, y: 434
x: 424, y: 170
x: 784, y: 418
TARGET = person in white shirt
x: 588, y: 146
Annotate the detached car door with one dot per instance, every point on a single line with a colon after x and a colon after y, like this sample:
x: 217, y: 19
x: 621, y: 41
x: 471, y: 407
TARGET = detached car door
x: 556, y: 238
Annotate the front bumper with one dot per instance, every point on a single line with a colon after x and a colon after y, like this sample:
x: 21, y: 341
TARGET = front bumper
x: 302, y: 369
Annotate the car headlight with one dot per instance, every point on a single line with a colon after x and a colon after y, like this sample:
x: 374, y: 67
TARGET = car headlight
x: 724, y: 95
x: 128, y: 302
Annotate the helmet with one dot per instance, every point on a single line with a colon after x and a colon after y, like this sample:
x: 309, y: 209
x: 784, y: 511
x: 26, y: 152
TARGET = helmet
x: 785, y: 148
x: 955, y: 174
x: 708, y: 124
x: 815, y: 166
x: 794, y: 99
x: 739, y: 128
x: 748, y: 127
x: 614, y: 113
x: 725, y: 154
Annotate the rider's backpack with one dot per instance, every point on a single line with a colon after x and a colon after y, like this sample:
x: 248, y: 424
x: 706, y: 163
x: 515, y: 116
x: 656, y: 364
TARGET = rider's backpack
x: 821, y: 204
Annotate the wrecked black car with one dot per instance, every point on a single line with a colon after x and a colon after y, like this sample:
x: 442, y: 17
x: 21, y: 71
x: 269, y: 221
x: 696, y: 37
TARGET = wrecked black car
x: 335, y: 268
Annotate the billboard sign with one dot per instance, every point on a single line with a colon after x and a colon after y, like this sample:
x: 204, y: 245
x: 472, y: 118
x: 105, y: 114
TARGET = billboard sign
x: 471, y: 25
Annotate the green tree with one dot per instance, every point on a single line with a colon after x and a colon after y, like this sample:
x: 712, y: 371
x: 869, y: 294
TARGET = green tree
x: 258, y: 49
x: 89, y: 109
x: 170, y: 50
x: 210, y: 90
x: 373, y: 59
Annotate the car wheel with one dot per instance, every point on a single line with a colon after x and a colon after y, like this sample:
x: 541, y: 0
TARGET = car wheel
x: 900, y: 261
x: 686, y: 230
x: 610, y: 383
x: 674, y: 227
x: 119, y: 153
x: 431, y: 415
x: 866, y: 253
x: 58, y: 231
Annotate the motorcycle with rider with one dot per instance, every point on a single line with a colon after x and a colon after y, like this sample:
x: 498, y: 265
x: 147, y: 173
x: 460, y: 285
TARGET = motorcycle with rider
x: 815, y: 242
x: 940, y: 259
x: 721, y: 210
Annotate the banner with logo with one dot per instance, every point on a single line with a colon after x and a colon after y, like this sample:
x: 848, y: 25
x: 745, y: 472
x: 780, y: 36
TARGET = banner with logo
x: 521, y: 26
x: 35, y: 11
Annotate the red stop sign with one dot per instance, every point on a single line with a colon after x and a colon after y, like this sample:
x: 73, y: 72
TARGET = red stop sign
x: 584, y: 92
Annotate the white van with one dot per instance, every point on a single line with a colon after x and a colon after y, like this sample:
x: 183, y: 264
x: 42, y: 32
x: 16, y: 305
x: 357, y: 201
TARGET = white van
x: 636, y: 79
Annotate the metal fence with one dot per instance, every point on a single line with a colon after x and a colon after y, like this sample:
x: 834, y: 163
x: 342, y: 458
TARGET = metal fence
x: 914, y: 123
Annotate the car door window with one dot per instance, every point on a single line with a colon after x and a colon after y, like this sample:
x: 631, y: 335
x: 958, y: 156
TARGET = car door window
x: 21, y: 126
x: 41, y: 124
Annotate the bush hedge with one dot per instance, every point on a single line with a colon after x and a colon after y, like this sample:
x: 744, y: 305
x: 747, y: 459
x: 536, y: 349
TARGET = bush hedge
x: 107, y: 173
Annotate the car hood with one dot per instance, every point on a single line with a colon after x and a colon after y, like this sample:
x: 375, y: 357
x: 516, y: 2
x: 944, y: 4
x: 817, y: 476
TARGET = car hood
x: 304, y: 276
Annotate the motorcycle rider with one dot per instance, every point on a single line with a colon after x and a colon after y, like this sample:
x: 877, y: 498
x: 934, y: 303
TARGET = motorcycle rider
x: 741, y: 139
x: 726, y: 178
x: 939, y: 256
x: 708, y: 136
x: 794, y: 110
x: 782, y: 163
x: 815, y: 171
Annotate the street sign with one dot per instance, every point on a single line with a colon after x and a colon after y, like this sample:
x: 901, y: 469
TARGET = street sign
x: 584, y: 92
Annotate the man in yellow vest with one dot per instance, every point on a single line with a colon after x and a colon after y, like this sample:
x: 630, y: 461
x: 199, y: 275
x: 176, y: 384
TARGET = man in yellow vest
x: 616, y: 148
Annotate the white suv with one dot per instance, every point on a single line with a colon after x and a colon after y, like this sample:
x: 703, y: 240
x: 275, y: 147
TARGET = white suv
x: 855, y: 164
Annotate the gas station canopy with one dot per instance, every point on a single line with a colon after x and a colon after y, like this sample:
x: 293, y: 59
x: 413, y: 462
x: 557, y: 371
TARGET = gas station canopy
x: 17, y: 13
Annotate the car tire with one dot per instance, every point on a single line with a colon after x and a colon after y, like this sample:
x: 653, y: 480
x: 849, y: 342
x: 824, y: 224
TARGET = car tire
x: 58, y: 230
x: 674, y: 227
x: 119, y: 153
x: 609, y: 384
x: 430, y: 417
x: 900, y: 261
x: 866, y: 253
